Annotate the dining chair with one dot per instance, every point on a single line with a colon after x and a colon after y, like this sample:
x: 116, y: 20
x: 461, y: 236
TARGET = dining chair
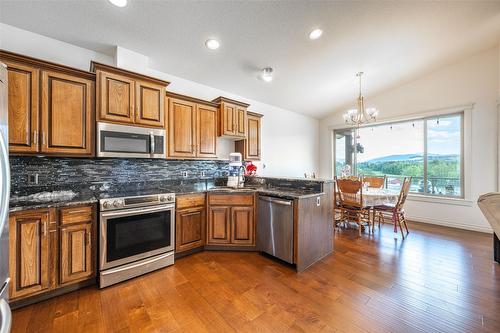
x: 337, y: 205
x: 397, y: 209
x: 374, y: 181
x: 351, y: 201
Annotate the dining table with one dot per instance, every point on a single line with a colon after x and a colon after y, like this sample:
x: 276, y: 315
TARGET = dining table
x: 373, y: 197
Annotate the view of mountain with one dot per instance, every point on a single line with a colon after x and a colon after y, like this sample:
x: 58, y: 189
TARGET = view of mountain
x: 413, y: 157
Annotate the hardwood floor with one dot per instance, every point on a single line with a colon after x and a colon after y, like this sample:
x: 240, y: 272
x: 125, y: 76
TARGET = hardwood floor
x: 436, y: 280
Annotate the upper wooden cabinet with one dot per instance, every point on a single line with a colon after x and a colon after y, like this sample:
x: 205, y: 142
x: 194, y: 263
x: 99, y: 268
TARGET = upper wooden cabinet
x: 129, y: 98
x: 67, y: 121
x: 232, y: 117
x: 250, y: 147
x: 192, y: 127
x: 23, y: 107
x: 51, y: 107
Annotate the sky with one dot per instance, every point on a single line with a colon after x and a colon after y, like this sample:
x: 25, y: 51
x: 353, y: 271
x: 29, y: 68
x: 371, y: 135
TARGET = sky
x: 408, y: 138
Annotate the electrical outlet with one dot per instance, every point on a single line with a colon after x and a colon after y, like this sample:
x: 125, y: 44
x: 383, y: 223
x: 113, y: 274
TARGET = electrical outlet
x: 33, y: 178
x: 203, y: 174
x: 184, y: 174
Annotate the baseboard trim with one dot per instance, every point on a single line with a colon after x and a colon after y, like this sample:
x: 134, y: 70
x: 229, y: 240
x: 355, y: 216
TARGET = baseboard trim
x: 447, y: 223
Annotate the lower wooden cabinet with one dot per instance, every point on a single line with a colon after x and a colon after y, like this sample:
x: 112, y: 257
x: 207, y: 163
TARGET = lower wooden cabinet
x: 29, y: 252
x: 190, y: 222
x: 231, y: 219
x: 50, y: 248
x: 76, y: 253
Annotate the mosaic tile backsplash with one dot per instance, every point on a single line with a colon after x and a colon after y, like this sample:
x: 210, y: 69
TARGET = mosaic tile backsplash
x: 54, y: 172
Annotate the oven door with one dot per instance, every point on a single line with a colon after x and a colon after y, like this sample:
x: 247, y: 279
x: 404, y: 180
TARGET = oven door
x: 129, y: 141
x: 133, y: 234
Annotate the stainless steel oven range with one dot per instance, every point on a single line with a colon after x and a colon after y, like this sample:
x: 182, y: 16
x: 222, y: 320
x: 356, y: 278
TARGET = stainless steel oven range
x: 136, y: 236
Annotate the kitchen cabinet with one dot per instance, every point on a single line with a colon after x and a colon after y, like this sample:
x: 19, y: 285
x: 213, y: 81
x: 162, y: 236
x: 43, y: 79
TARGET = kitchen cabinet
x: 29, y: 252
x: 51, y: 107
x: 190, y: 222
x: 51, y: 248
x: 125, y: 97
x: 67, y: 119
x: 76, y: 238
x: 231, y: 219
x: 23, y: 107
x: 232, y: 118
x: 192, y: 127
x: 250, y: 147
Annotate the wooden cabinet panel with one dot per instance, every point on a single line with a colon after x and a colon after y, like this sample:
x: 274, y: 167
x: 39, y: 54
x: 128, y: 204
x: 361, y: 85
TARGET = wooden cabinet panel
x: 149, y: 100
x: 73, y: 215
x: 233, y: 199
x: 67, y: 122
x: 23, y: 108
x: 76, y: 253
x: 206, y: 138
x: 228, y: 121
x: 29, y: 252
x: 190, y: 228
x: 253, y: 138
x: 240, y: 121
x: 219, y: 225
x: 189, y: 201
x: 116, y: 96
x: 182, y: 128
x: 242, y: 226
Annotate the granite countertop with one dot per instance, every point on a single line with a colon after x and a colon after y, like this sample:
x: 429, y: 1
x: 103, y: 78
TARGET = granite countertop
x: 73, y: 198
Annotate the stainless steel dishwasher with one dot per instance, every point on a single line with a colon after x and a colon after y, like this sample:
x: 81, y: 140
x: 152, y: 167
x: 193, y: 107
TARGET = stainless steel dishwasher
x: 275, y: 227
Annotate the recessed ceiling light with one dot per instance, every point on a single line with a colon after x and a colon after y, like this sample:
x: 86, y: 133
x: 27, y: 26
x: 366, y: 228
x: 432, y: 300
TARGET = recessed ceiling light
x: 315, y: 34
x: 119, y: 3
x: 267, y: 74
x: 212, y: 44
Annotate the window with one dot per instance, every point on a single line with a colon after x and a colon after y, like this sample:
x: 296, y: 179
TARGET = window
x: 427, y: 149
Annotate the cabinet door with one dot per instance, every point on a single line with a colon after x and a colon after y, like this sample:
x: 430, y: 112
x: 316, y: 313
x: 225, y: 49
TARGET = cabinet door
x: 190, y: 229
x: 76, y: 253
x: 116, y: 96
x: 182, y: 128
x: 206, y: 138
x: 253, y: 138
x: 240, y: 121
x: 149, y: 104
x: 219, y: 225
x: 67, y: 117
x: 242, y: 226
x: 29, y: 252
x: 23, y: 108
x: 228, y: 122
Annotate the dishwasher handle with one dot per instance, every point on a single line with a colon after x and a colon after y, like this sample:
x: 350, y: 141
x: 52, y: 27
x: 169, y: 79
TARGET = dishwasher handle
x: 276, y: 201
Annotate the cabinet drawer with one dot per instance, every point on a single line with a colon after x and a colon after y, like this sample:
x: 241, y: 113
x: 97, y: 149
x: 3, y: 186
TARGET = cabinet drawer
x: 75, y: 214
x: 190, y: 200
x: 231, y: 199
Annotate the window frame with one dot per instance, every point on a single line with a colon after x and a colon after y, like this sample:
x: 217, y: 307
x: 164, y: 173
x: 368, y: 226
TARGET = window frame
x: 465, y: 141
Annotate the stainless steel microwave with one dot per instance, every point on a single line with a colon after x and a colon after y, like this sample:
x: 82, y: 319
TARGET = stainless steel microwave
x: 130, y: 141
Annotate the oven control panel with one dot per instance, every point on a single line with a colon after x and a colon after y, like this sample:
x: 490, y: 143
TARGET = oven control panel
x: 136, y: 201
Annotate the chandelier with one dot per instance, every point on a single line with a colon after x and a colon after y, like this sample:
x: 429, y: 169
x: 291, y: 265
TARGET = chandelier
x: 359, y: 116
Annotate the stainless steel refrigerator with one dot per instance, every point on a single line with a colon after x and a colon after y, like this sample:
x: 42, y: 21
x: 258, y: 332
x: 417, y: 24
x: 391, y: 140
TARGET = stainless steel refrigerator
x: 5, y: 314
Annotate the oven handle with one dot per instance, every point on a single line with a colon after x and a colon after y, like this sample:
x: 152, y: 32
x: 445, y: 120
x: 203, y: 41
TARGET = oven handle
x: 137, y: 211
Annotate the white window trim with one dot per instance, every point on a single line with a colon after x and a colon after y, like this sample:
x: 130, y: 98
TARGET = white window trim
x: 467, y: 149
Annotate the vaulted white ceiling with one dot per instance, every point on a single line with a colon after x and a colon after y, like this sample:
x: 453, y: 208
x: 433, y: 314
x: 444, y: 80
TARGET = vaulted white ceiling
x: 391, y: 42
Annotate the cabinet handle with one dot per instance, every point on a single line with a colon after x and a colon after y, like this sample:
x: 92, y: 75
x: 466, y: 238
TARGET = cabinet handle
x: 35, y: 137
x: 77, y: 211
x: 44, y: 231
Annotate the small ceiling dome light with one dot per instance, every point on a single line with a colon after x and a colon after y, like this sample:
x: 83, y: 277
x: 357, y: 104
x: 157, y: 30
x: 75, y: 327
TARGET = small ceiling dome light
x: 212, y: 44
x: 267, y: 74
x: 315, y: 34
x: 118, y: 3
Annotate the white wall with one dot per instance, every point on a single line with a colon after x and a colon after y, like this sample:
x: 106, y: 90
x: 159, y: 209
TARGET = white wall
x: 289, y: 140
x: 473, y: 80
